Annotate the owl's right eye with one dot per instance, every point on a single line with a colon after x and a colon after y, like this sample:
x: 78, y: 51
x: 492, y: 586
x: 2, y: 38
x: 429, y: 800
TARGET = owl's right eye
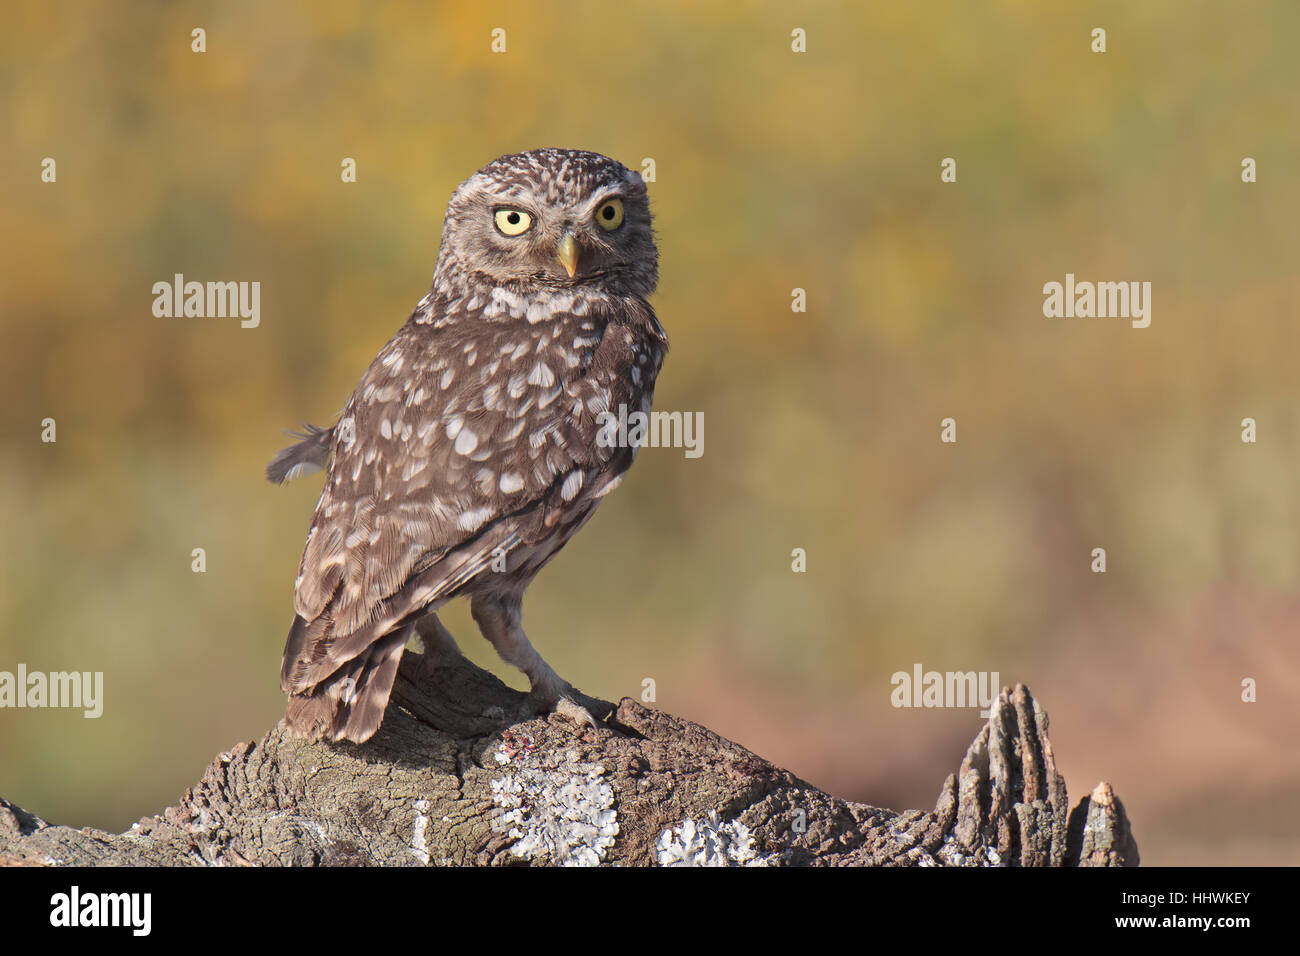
x: 512, y: 222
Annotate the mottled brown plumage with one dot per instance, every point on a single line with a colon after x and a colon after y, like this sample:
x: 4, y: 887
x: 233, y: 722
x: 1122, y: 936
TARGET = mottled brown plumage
x: 472, y: 448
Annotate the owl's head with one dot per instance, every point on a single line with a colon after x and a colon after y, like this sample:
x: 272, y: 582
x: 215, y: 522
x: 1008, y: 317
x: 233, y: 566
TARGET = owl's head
x: 551, y: 218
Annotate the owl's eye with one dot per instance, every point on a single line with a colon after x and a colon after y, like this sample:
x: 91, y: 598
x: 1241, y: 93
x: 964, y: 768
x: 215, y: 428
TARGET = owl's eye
x: 610, y: 215
x: 513, y: 222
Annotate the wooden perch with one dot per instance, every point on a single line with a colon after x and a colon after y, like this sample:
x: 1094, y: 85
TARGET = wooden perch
x: 449, y: 779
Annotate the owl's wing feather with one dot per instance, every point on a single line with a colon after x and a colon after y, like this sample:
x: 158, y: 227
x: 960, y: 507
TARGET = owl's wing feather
x: 448, y: 454
x: 315, y: 649
x: 310, y: 454
x: 351, y: 704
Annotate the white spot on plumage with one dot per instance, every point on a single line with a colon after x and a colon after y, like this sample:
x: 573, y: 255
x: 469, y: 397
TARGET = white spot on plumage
x: 386, y: 428
x: 503, y: 299
x: 446, y: 378
x: 472, y: 520
x: 511, y: 482
x: 512, y: 299
x: 572, y: 485
x: 541, y: 375
x: 454, y: 425
x: 466, y: 441
x: 538, y: 438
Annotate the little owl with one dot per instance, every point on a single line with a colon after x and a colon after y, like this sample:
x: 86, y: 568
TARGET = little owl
x: 472, y: 448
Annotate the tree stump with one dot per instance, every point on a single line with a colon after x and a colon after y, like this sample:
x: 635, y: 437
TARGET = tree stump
x: 451, y: 778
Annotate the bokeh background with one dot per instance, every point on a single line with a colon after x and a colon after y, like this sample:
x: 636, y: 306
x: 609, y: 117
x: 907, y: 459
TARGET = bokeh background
x: 775, y: 170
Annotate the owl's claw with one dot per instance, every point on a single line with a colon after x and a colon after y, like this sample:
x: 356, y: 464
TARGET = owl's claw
x: 570, y: 703
x: 574, y: 711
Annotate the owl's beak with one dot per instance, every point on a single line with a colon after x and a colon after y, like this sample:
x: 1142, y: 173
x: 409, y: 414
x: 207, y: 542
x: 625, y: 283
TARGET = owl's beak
x: 567, y: 254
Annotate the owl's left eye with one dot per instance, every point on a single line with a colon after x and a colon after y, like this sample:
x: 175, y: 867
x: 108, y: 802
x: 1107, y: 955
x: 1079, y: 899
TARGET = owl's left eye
x: 610, y: 214
x: 512, y: 222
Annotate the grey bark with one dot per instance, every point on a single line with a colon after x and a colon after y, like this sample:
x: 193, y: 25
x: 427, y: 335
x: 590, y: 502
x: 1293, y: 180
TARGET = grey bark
x: 451, y: 778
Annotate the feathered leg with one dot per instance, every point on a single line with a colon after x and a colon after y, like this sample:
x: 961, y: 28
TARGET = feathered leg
x: 498, y: 617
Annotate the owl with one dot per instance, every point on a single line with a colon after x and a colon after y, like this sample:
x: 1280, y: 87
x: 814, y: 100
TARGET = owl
x: 478, y: 441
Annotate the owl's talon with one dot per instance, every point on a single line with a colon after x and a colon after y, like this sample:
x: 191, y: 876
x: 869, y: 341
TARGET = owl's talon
x: 570, y: 703
x: 574, y: 711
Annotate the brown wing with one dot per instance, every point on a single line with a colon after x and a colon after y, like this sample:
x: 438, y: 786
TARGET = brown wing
x: 451, y: 450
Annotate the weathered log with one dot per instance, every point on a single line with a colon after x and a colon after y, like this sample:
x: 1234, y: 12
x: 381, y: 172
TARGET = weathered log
x: 451, y: 778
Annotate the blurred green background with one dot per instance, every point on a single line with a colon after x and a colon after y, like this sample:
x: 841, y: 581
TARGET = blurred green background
x: 775, y: 170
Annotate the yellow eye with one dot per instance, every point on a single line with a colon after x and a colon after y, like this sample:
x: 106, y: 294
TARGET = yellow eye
x: 514, y: 222
x: 610, y: 214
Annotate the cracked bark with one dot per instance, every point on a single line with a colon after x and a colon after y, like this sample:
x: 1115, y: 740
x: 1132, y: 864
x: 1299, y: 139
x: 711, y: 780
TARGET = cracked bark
x: 450, y: 780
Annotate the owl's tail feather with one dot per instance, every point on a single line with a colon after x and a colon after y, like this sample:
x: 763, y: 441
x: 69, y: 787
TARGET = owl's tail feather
x: 349, y: 704
x: 308, y: 642
x: 309, y: 455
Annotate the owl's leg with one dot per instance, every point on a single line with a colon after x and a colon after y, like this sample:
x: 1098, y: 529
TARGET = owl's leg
x: 498, y: 617
x: 440, y: 647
